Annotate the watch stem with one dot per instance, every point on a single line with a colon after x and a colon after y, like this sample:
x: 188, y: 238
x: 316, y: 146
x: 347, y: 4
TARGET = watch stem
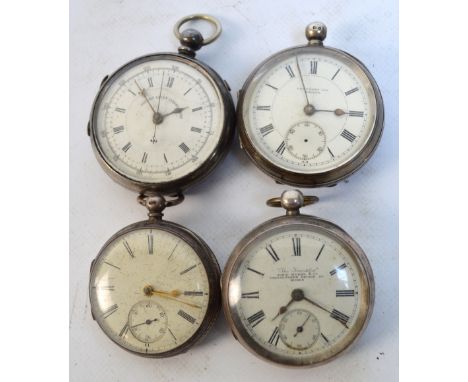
x: 316, y: 32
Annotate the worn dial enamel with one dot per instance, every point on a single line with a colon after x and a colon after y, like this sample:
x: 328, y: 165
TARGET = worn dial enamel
x: 159, y: 120
x: 141, y: 322
x: 340, y: 104
x: 278, y: 264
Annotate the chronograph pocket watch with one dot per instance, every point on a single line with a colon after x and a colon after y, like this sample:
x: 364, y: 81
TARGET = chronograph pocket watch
x: 165, y: 120
x: 297, y: 290
x: 154, y: 286
x: 310, y: 116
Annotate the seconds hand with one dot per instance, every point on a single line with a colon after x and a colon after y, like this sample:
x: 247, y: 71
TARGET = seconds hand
x: 302, y: 80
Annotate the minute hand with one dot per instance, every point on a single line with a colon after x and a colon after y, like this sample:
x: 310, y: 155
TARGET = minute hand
x: 318, y: 305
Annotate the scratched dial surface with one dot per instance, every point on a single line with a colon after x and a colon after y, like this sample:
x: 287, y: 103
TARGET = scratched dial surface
x: 310, y: 112
x: 159, y: 120
x: 300, y: 294
x: 149, y: 291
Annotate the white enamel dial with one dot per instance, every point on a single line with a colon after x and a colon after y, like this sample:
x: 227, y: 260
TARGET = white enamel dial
x: 298, y: 293
x: 159, y: 120
x: 149, y: 291
x: 309, y: 93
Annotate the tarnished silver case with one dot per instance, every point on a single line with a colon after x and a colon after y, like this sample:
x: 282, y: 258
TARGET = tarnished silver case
x: 220, y: 151
x: 209, y: 262
x: 328, y: 178
x: 295, y: 222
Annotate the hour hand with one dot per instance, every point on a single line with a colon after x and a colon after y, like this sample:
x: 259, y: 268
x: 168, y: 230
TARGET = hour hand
x: 177, y: 110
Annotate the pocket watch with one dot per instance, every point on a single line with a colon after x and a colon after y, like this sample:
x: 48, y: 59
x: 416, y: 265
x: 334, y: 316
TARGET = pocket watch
x: 297, y: 290
x: 154, y: 286
x: 165, y: 120
x: 310, y: 115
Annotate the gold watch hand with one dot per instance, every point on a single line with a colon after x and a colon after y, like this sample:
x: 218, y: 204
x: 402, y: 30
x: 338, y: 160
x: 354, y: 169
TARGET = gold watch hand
x: 150, y: 291
x: 169, y: 297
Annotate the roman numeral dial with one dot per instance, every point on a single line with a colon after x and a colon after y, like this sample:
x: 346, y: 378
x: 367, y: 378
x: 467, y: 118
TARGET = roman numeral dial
x: 297, y: 291
x: 159, y: 107
x: 150, y: 291
x: 306, y: 89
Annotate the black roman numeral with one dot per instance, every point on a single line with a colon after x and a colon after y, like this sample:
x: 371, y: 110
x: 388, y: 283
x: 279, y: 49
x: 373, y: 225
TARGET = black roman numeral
x: 256, y: 318
x: 118, y: 129
x: 336, y: 73
x: 150, y: 82
x: 144, y: 157
x: 120, y: 110
x: 127, y: 247
x: 320, y: 252
x: 342, y: 266
x: 271, y: 86
x: 348, y: 135
x: 187, y: 91
x: 341, y: 317
x: 187, y: 270
x: 296, y: 246
x: 170, y: 82
x: 193, y: 293
x: 126, y: 147
x: 271, y: 251
x: 325, y: 338
x: 257, y: 272
x: 124, y: 330
x: 330, y: 152
x: 265, y: 130
x: 281, y: 148
x: 184, y: 147
x: 351, y: 91
x: 197, y: 108
x: 356, y: 113
x: 313, y: 67
x: 186, y: 316
x: 274, y: 338
x: 266, y: 108
x: 109, y: 311
x: 251, y: 295
x: 290, y: 71
x: 345, y: 293
x: 150, y: 244
x: 195, y: 129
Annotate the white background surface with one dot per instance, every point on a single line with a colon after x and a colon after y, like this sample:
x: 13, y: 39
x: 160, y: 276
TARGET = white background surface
x: 104, y: 34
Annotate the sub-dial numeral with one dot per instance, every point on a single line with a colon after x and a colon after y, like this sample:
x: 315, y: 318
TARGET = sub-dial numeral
x: 265, y: 130
x: 127, y: 247
x: 290, y: 71
x: 296, y: 246
x: 251, y: 295
x: 265, y: 108
x: 313, y: 67
x: 333, y: 272
x: 271, y: 251
x: 150, y: 244
x: 186, y: 316
x: 348, y: 135
x: 345, y: 293
x: 356, y: 113
x: 193, y: 293
x: 281, y: 148
x: 325, y: 338
x: 118, y: 129
x: 320, y: 252
x: 341, y: 317
x: 274, y: 338
x: 110, y: 310
x: 170, y: 82
x: 351, y: 91
x: 256, y: 318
